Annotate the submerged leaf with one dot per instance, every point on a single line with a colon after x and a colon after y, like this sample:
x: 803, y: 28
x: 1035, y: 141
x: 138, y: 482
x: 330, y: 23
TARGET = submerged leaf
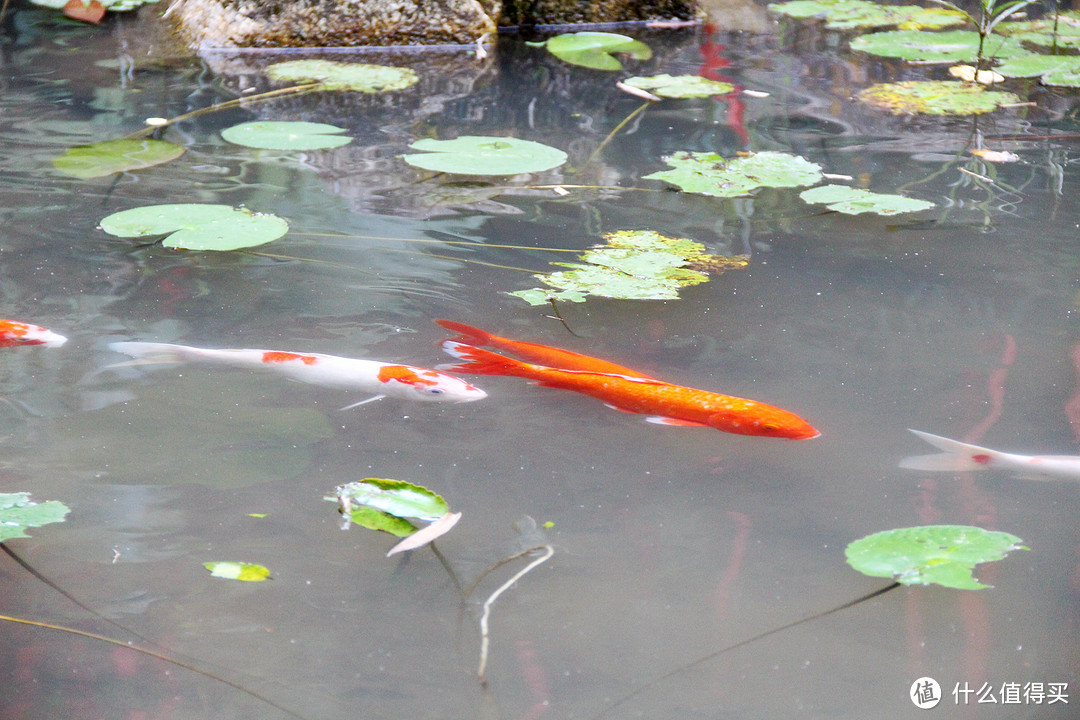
x: 484, y: 155
x: 933, y: 97
x: 710, y: 174
x: 680, y: 86
x: 237, y: 571
x: 197, y: 227
x: 941, y: 554
x: 358, y: 77
x: 634, y: 265
x: 282, y: 135
x: 596, y: 50
x: 18, y: 512
x: 113, y: 156
x: 853, y: 201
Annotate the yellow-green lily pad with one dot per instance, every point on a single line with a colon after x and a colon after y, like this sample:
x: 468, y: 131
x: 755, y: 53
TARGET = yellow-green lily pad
x: 333, y: 75
x: 114, y: 156
x: 711, y: 174
x: 934, y: 97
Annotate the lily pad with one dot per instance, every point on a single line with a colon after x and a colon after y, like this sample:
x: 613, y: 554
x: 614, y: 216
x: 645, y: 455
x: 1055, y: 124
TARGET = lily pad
x: 940, y: 554
x: 949, y: 46
x: 396, y: 497
x: 1044, y: 32
x: 332, y: 75
x: 113, y: 156
x: 633, y: 265
x: 281, y: 135
x: 854, y: 201
x: 595, y: 50
x: 710, y: 174
x: 680, y: 86
x: 484, y: 155
x: 933, y: 97
x: 1034, y: 65
x: 18, y: 512
x: 230, y: 570
x: 197, y: 226
x: 850, y: 14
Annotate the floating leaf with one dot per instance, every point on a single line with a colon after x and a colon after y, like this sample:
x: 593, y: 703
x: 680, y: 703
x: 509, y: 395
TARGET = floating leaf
x: 932, y: 97
x: 396, y: 497
x: 596, y: 50
x: 1032, y: 65
x: 949, y: 46
x: 853, y: 201
x: 113, y: 156
x: 849, y: 14
x: 634, y: 265
x: 710, y: 174
x: 1045, y: 32
x: 18, y: 512
x: 197, y: 226
x: 332, y: 75
x: 237, y: 571
x: 281, y: 135
x: 680, y: 86
x: 427, y: 534
x: 941, y: 554
x: 484, y: 155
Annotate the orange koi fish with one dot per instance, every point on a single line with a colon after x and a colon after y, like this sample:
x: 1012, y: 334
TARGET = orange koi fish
x: 662, y: 402
x: 536, y: 353
x: 385, y: 379
x: 13, y: 332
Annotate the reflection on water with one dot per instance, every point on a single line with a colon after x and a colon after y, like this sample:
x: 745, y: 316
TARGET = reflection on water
x: 670, y: 543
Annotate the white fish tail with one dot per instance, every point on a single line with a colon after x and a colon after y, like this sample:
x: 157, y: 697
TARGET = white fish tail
x: 958, y: 456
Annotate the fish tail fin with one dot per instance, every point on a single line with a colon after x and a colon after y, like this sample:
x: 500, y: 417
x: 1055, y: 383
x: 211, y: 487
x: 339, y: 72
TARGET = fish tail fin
x: 481, y: 362
x: 957, y: 456
x: 466, y: 333
x: 149, y: 352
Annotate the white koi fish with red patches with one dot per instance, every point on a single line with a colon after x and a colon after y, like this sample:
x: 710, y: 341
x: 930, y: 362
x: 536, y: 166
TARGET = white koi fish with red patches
x: 405, y: 382
x: 964, y: 457
x: 14, y: 333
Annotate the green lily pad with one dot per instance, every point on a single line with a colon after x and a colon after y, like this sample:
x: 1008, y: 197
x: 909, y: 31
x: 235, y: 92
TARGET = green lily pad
x: 1034, y: 65
x: 113, y: 156
x: 332, y: 75
x: 396, y: 497
x: 18, y: 512
x: 237, y: 570
x: 710, y: 174
x: 484, y: 155
x: 595, y: 50
x: 680, y: 86
x: 281, y: 135
x: 1042, y: 33
x: 633, y: 265
x: 949, y: 46
x: 933, y: 97
x: 853, y: 201
x: 197, y: 226
x: 940, y: 554
x: 850, y: 14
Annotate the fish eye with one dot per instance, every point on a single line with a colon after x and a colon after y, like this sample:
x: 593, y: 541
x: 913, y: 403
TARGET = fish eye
x: 436, y: 391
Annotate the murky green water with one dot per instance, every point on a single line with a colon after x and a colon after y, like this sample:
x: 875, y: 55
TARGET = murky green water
x: 670, y: 543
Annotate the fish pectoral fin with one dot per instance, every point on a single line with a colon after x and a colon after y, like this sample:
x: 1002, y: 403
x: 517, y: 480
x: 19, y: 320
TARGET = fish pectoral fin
x: 362, y: 402
x: 620, y: 409
x: 676, y: 422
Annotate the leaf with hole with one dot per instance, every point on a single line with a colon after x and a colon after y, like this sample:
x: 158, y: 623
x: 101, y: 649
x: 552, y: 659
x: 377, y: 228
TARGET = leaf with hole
x: 230, y: 570
x: 680, y: 86
x: 197, y: 226
x: 854, y: 201
x: 939, y: 554
x: 484, y: 155
x: 333, y: 75
x: 595, y: 50
x: 710, y: 174
x: 18, y: 512
x: 286, y: 135
x: 109, y: 157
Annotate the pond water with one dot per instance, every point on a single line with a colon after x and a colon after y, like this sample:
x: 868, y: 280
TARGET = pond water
x: 670, y: 543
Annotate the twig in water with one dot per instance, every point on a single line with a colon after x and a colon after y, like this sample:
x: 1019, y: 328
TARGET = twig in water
x: 558, y: 315
x: 548, y: 552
